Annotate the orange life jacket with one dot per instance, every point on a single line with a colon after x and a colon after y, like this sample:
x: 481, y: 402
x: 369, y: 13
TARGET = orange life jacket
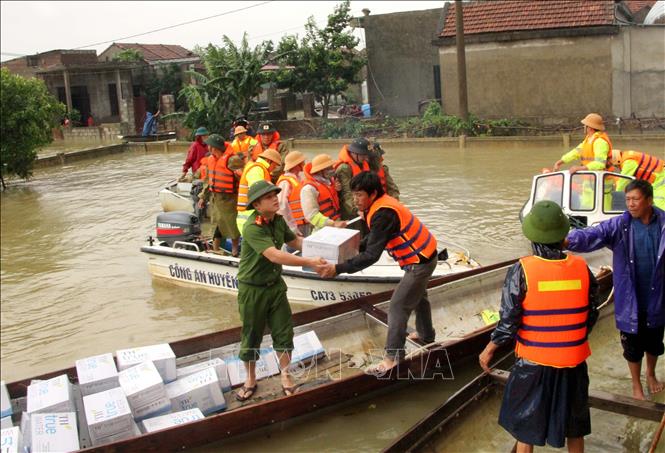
x: 413, y: 239
x: 345, y: 158
x: 328, y: 200
x: 242, y: 146
x: 647, y: 166
x: 203, y: 175
x: 556, y: 309
x: 587, y: 155
x: 243, y: 188
x: 220, y: 178
x: 294, y: 199
x: 260, y: 147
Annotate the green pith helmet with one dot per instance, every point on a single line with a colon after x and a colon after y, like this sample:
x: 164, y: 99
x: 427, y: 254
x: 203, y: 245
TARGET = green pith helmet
x: 546, y: 223
x: 259, y: 189
x: 216, y: 141
x: 201, y: 131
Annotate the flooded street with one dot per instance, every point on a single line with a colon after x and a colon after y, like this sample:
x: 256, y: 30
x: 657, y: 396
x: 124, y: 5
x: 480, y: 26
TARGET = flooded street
x: 74, y: 282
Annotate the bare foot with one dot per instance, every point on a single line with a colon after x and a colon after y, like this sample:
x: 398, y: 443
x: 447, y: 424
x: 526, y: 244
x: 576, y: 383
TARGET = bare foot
x: 638, y: 391
x: 382, y: 367
x: 413, y: 336
x: 654, y: 384
x: 287, y: 380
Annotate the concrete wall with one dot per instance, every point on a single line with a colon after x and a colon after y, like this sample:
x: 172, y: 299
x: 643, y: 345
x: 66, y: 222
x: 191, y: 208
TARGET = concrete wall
x: 547, y: 80
x: 400, y: 60
x: 104, y: 132
x: 638, y: 72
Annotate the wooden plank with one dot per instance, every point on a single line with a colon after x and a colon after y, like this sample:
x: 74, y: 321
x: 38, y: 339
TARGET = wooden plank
x: 610, y: 402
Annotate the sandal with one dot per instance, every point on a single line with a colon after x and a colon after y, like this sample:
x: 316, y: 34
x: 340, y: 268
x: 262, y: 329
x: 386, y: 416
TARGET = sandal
x: 288, y: 391
x: 247, y: 392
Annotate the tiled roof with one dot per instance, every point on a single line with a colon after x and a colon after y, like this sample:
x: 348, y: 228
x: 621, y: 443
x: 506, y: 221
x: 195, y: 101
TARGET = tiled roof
x: 513, y: 15
x: 156, y: 52
x: 637, y: 5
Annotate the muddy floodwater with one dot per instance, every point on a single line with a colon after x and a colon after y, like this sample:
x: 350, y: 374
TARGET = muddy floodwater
x: 74, y: 282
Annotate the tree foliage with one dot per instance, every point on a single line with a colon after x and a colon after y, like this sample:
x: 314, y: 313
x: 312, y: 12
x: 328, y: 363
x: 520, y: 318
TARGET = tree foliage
x: 232, y: 78
x: 128, y: 55
x: 28, y: 112
x: 325, y: 61
x: 166, y: 80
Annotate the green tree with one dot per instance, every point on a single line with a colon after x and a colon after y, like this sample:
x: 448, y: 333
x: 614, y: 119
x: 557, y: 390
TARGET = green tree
x: 28, y: 112
x: 231, y: 79
x: 128, y: 55
x: 324, y: 62
x: 168, y: 80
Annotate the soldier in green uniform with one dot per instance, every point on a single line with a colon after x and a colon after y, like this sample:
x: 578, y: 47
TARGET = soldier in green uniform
x: 261, y: 289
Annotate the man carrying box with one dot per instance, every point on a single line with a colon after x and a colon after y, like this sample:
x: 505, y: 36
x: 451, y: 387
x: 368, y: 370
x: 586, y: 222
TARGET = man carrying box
x: 261, y: 289
x: 394, y: 228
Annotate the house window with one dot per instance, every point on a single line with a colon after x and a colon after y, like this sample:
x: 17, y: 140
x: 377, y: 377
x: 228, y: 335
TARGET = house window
x: 113, y: 100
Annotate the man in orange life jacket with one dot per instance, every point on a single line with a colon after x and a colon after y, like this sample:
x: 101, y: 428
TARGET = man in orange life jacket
x: 269, y: 138
x: 290, y: 182
x: 223, y: 170
x: 352, y: 159
x: 243, y: 144
x: 394, y: 228
x: 318, y: 195
x: 642, y: 166
x: 549, y: 305
x: 595, y: 151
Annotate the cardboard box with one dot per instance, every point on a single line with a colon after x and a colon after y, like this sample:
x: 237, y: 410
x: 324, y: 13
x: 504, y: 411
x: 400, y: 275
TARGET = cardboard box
x: 306, y: 347
x: 266, y: 366
x: 170, y: 420
x: 161, y: 354
x: 53, y: 395
x: 5, y: 402
x: 10, y: 440
x: 96, y: 374
x: 200, y: 390
x: 107, y: 413
x: 25, y: 429
x: 54, y: 432
x: 144, y: 389
x: 132, y: 432
x: 335, y: 245
x: 6, y: 422
x: 218, y: 364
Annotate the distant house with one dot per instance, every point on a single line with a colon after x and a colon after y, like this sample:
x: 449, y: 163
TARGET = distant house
x: 28, y: 65
x: 155, y: 54
x: 555, y: 61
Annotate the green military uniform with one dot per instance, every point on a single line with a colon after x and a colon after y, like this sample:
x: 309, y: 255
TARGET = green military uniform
x: 261, y: 289
x: 343, y: 174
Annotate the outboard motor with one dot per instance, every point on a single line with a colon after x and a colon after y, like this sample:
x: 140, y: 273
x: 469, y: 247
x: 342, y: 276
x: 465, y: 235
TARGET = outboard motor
x: 177, y: 226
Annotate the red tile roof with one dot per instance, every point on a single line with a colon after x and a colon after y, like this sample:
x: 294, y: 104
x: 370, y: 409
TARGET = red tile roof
x: 513, y: 15
x: 156, y: 52
x: 637, y: 5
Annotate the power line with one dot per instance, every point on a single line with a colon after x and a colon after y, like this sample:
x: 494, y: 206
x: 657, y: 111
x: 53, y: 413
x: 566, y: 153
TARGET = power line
x: 174, y: 26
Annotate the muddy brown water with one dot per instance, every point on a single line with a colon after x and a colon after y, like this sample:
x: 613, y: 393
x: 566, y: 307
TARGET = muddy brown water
x: 74, y: 282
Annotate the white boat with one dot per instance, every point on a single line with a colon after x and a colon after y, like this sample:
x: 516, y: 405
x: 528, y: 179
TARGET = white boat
x: 176, y: 196
x: 186, y: 263
x: 586, y: 197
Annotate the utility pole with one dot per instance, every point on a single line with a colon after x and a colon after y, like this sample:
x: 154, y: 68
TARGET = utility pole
x: 461, y: 61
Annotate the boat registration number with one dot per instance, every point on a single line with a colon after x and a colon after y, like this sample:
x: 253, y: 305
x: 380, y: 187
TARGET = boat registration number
x: 337, y: 295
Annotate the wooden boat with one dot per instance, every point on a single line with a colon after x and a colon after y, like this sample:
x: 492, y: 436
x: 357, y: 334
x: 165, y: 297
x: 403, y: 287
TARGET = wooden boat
x: 352, y: 334
x: 162, y: 136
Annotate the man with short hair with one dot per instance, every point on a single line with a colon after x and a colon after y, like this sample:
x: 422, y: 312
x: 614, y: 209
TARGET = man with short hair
x: 637, y: 241
x: 261, y: 290
x: 549, y: 305
x: 269, y: 138
x: 394, y: 228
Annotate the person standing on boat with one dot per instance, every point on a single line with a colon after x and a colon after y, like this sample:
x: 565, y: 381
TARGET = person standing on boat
x: 642, y: 166
x: 243, y: 143
x: 222, y: 169
x: 197, y: 151
x: 269, y: 138
x: 394, y: 228
x: 637, y: 241
x: 318, y: 195
x: 261, y: 289
x: 595, y: 151
x: 378, y: 166
x: 351, y: 160
x: 253, y: 172
x: 289, y: 198
x: 549, y: 305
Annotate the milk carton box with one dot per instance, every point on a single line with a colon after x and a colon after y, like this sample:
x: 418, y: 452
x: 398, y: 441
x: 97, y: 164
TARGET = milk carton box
x: 5, y: 402
x: 96, y: 374
x: 201, y: 389
x: 306, y: 347
x: 25, y: 429
x: 144, y: 389
x: 54, y: 432
x: 161, y: 354
x: 266, y: 366
x: 52, y: 395
x: 107, y: 413
x: 170, y: 420
x: 6, y: 422
x: 10, y: 440
x: 133, y: 431
x: 335, y: 245
x: 218, y: 364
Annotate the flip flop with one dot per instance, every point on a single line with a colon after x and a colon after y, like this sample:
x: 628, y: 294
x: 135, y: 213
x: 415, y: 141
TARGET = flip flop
x: 288, y: 391
x: 247, y: 391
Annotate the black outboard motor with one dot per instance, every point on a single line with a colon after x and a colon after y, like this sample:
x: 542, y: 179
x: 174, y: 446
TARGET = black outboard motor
x: 177, y: 226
